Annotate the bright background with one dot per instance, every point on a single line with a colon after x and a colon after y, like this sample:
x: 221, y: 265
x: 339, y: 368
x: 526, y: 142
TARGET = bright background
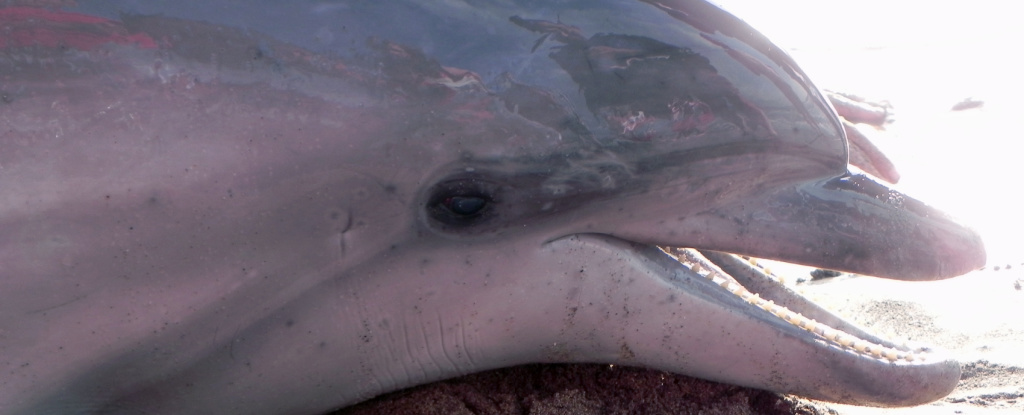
x: 924, y: 57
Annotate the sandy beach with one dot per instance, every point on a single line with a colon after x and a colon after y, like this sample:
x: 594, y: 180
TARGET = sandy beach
x: 976, y: 318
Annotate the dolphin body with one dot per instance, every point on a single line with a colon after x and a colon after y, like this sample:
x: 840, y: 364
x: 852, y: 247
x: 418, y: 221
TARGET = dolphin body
x: 270, y: 208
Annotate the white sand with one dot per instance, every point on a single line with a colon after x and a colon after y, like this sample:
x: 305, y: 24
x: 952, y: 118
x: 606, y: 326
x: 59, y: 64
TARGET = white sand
x: 977, y: 318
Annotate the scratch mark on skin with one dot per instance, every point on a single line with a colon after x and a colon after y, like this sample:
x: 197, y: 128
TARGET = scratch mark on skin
x: 424, y: 340
x: 465, y: 343
x: 390, y: 352
x: 444, y: 346
x: 340, y: 235
x: 405, y: 360
x: 56, y: 306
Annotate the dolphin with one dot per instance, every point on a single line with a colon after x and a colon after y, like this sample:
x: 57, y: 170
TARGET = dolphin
x: 294, y: 207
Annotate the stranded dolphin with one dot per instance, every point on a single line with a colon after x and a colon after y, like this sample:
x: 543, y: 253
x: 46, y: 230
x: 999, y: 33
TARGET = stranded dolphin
x: 288, y: 208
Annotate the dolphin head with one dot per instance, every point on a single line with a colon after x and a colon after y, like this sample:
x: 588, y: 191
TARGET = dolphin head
x: 290, y: 209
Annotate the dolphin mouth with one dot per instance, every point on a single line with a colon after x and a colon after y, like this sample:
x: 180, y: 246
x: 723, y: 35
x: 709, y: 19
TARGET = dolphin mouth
x: 769, y: 337
x: 785, y: 342
x: 789, y: 344
x: 744, y: 278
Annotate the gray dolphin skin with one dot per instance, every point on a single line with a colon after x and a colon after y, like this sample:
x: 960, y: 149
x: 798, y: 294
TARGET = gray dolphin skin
x: 265, y: 207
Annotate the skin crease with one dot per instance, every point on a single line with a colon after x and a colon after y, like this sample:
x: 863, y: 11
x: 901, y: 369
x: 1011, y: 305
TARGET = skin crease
x: 207, y: 216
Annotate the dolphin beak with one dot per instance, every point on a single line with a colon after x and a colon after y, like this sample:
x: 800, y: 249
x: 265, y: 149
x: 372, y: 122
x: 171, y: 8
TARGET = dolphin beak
x: 849, y: 223
x: 769, y: 336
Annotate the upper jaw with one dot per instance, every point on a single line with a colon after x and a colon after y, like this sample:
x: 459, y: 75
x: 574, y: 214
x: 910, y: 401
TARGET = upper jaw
x: 849, y: 223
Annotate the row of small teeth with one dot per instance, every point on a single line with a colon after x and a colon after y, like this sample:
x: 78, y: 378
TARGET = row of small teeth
x: 767, y: 271
x: 834, y: 336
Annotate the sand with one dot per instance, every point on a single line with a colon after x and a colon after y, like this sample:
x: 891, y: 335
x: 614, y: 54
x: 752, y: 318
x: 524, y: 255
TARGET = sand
x: 977, y: 318
x: 581, y: 390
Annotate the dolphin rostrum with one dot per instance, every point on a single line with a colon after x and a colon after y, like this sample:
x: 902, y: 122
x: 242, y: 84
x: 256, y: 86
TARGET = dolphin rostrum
x: 292, y: 207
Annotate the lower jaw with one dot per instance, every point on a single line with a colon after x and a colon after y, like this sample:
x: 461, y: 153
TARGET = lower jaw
x: 758, y: 287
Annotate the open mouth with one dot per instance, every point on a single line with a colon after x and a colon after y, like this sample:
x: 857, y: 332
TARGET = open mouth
x: 758, y: 287
x: 716, y: 316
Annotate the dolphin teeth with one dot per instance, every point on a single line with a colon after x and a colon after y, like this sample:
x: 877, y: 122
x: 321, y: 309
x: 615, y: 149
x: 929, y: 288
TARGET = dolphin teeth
x: 697, y: 263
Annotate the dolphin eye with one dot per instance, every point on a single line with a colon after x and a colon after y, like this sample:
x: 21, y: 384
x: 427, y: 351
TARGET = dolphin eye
x: 462, y: 202
x: 465, y: 205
